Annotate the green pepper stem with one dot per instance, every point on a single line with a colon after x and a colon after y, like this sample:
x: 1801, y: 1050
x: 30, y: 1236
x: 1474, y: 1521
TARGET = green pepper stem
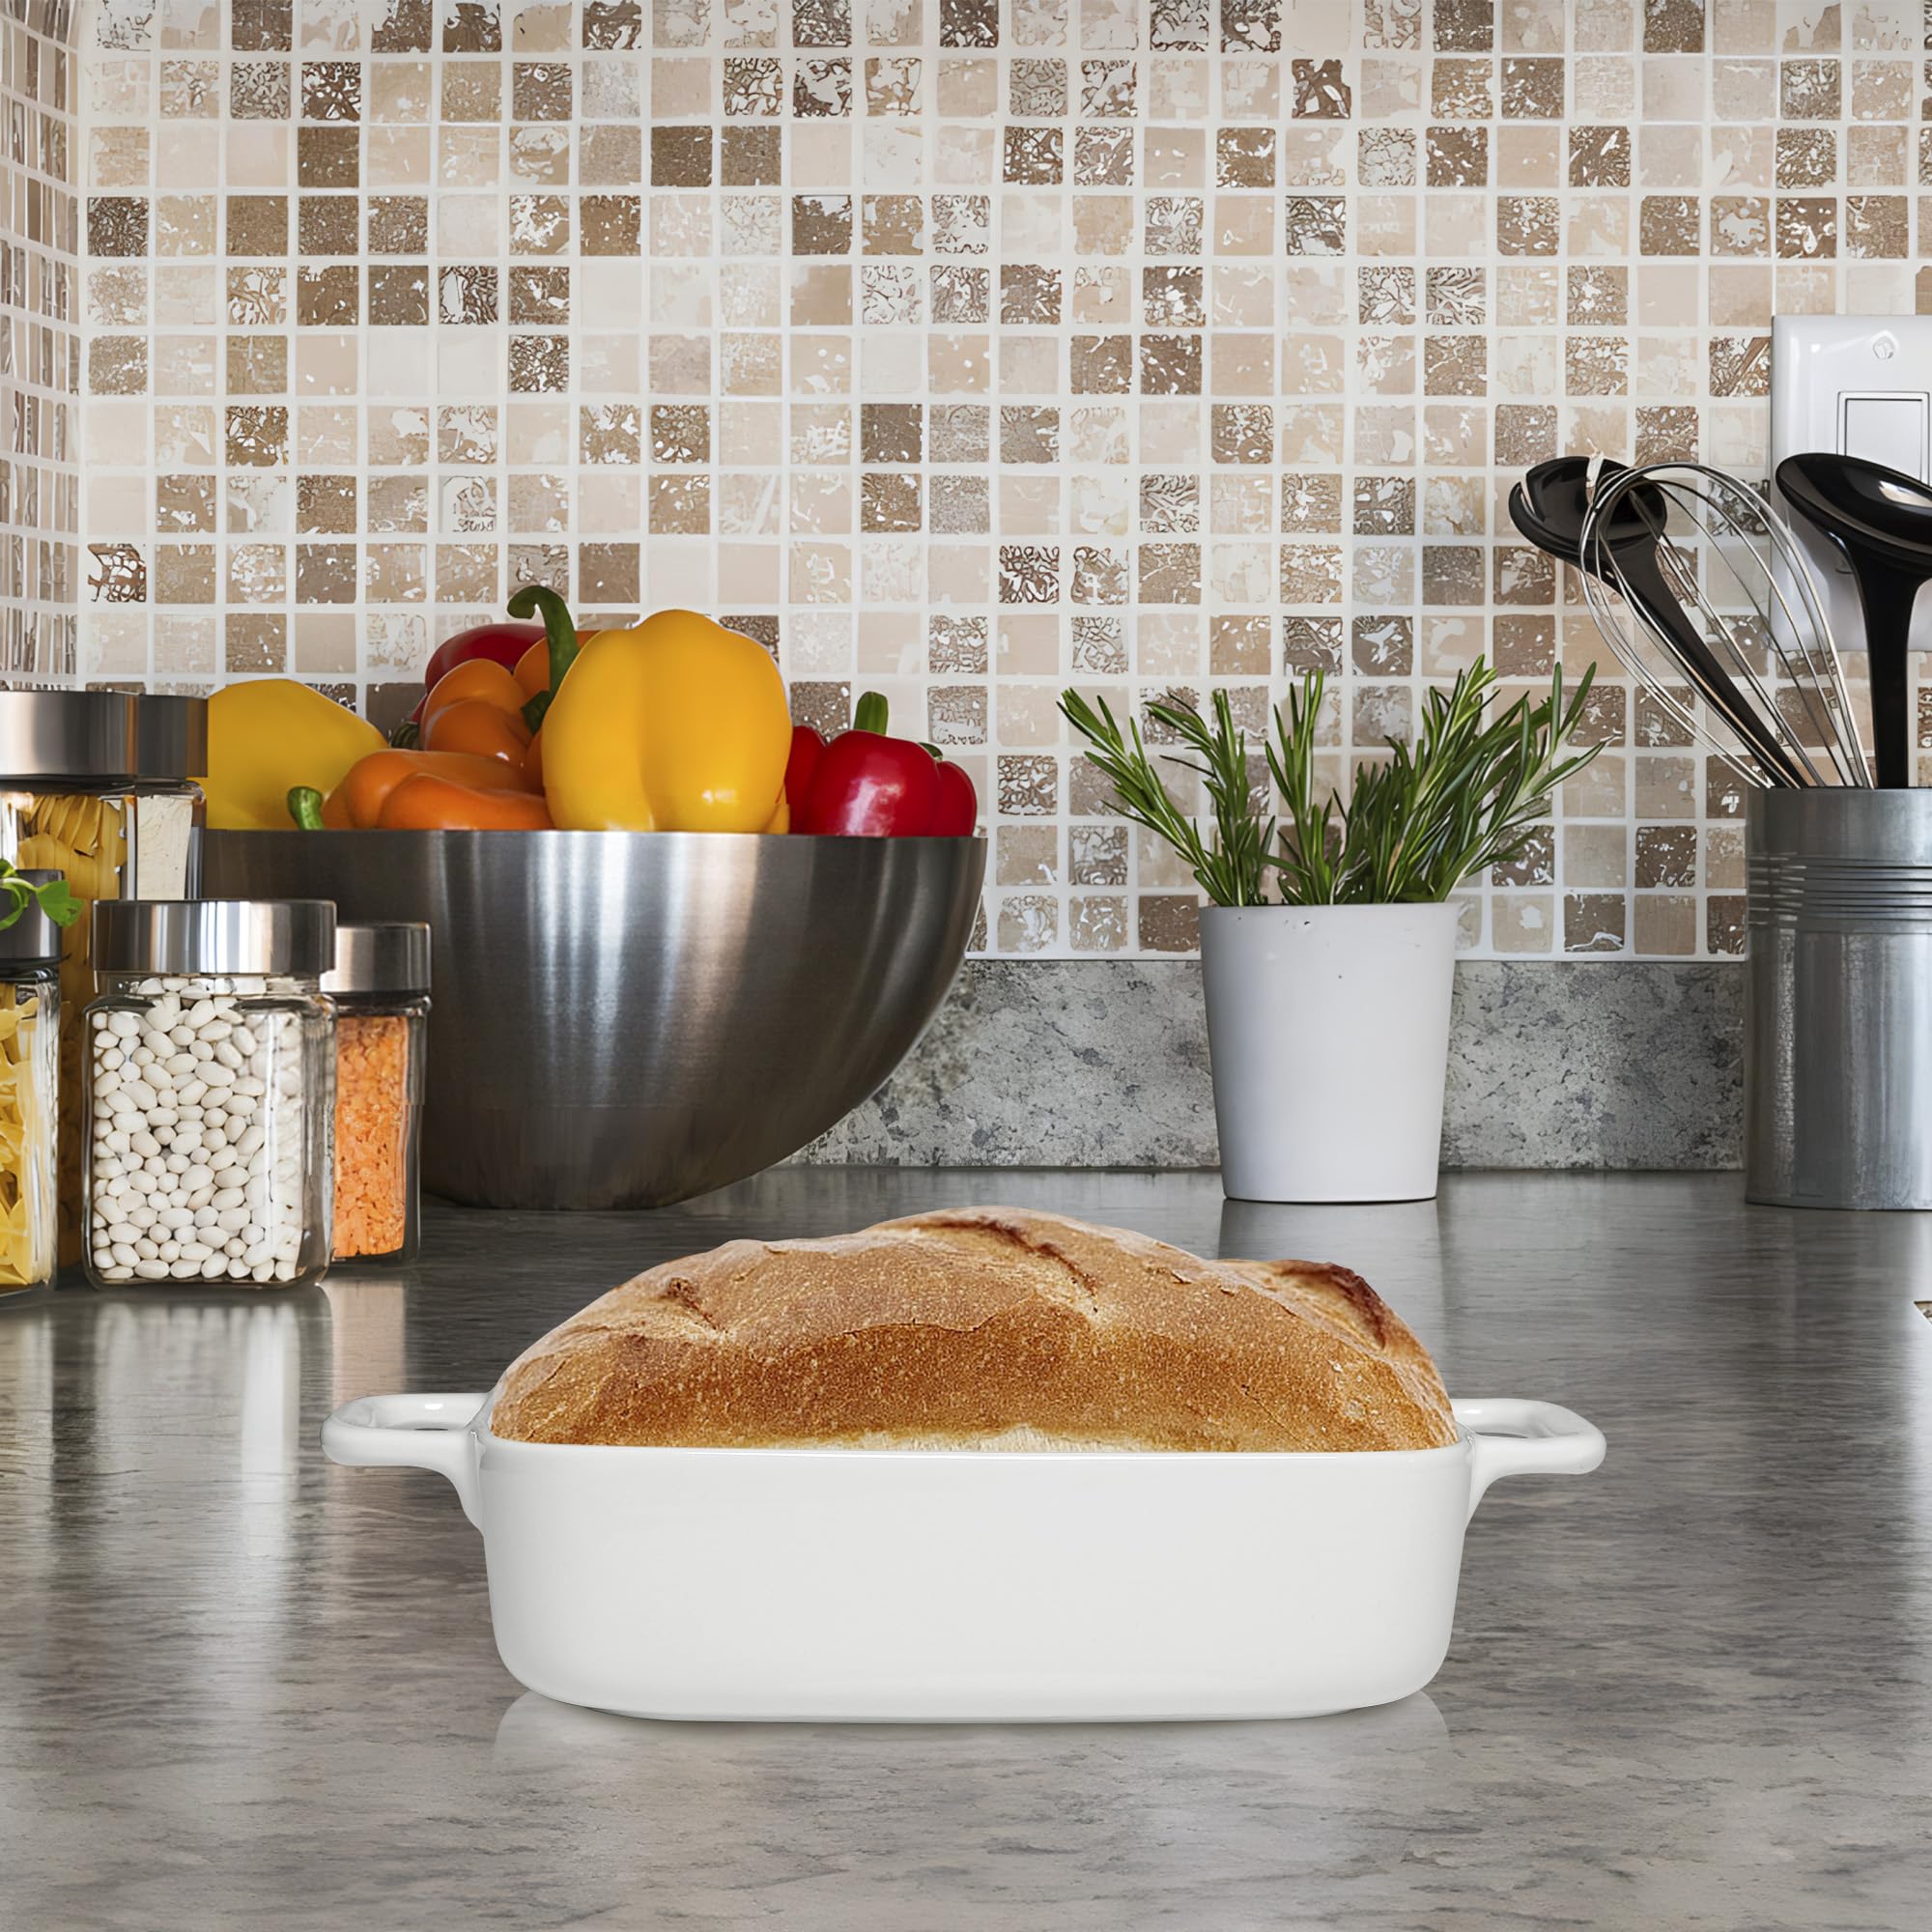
x: 305, y: 807
x: 871, y: 713
x: 534, y: 599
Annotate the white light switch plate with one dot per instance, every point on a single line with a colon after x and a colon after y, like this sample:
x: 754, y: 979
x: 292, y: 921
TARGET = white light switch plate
x: 1861, y: 385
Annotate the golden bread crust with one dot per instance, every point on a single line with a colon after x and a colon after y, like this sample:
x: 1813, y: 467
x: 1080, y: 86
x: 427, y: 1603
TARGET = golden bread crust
x: 976, y: 1328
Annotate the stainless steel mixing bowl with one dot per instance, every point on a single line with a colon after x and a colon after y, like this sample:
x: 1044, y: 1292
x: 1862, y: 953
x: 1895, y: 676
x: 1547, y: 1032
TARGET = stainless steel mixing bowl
x: 623, y: 1019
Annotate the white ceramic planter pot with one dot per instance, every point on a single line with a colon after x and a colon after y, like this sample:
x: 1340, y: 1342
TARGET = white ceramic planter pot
x: 1329, y: 1031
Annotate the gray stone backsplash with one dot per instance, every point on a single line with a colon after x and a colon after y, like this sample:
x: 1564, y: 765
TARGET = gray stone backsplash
x: 1623, y: 1064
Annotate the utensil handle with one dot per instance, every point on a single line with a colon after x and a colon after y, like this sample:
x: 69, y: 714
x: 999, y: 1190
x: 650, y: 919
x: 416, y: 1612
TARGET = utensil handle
x: 1642, y: 583
x: 409, y: 1431
x: 1886, y: 595
x: 1525, y: 1438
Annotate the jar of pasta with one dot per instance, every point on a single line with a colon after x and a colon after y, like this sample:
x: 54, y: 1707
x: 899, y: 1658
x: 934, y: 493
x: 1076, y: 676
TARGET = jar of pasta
x: 100, y: 786
x: 211, y: 1077
x: 379, y: 986
x: 30, y: 956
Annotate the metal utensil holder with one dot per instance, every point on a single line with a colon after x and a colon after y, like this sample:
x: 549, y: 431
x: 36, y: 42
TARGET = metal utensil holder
x: 1839, y: 999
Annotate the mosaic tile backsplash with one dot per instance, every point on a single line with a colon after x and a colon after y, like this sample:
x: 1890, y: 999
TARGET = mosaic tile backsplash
x: 40, y: 345
x: 955, y: 349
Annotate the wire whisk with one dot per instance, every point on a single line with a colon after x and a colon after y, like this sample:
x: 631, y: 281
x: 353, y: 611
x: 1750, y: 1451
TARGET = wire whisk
x: 1711, y: 580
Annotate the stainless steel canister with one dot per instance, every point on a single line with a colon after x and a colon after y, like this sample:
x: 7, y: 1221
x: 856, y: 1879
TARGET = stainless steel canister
x: 1838, y: 1003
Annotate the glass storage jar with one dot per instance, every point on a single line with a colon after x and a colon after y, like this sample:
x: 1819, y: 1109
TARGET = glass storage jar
x: 30, y: 997
x: 380, y: 984
x: 99, y: 785
x: 209, y: 1088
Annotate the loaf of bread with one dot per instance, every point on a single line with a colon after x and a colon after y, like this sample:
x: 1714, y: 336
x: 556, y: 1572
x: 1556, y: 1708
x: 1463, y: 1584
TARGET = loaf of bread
x: 981, y: 1329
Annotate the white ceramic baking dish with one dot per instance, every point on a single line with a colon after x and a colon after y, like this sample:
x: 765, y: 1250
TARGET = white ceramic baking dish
x: 875, y: 1585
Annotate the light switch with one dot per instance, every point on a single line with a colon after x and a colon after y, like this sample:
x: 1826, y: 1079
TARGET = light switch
x: 1885, y: 429
x: 1860, y: 385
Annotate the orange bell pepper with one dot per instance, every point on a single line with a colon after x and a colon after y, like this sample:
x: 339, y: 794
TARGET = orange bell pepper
x: 532, y: 672
x: 357, y: 803
x: 480, y: 730
x: 478, y: 708
x: 479, y: 681
x: 426, y: 803
x: 534, y: 676
x: 483, y: 707
x: 540, y: 669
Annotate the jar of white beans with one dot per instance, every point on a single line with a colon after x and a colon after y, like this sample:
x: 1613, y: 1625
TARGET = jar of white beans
x: 210, y: 1069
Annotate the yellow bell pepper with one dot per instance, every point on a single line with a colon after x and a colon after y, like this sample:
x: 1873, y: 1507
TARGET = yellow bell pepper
x: 272, y: 734
x: 678, y: 725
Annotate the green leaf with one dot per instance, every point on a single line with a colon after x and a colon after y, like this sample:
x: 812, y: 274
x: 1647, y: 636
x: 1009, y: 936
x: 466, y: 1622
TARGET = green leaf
x: 54, y: 897
x: 58, y: 902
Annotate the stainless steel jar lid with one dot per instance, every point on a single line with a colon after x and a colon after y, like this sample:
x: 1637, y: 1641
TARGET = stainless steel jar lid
x: 389, y: 957
x: 171, y: 737
x: 33, y: 939
x: 69, y: 734
x: 91, y: 735
x: 286, y: 937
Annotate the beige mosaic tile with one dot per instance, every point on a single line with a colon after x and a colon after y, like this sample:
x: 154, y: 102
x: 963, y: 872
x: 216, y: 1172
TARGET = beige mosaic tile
x: 953, y: 348
x: 42, y: 369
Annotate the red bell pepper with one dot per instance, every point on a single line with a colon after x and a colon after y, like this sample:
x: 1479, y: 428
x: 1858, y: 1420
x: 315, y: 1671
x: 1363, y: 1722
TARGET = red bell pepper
x: 867, y: 786
x: 958, y: 813
x: 807, y: 749
x: 501, y: 643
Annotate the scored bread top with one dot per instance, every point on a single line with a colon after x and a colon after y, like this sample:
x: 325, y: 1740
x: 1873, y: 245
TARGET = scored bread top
x: 981, y: 1329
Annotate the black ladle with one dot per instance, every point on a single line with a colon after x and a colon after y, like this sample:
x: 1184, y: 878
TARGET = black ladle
x: 1882, y: 521
x: 1549, y: 507
x: 1551, y: 502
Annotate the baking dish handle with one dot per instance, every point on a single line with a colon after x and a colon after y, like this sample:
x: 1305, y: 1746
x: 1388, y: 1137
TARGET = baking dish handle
x: 411, y: 1431
x: 1525, y: 1438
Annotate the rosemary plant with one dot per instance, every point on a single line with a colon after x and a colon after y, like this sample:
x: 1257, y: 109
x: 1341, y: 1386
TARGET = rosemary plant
x: 1467, y: 793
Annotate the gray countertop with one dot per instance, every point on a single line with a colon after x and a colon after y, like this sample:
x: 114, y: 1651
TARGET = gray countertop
x: 240, y: 1688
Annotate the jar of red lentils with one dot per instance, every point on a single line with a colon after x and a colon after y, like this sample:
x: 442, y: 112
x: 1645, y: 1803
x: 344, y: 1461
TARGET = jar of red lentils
x: 380, y: 989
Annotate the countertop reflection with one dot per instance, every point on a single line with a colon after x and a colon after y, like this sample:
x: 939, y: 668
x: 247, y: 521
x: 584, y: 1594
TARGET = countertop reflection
x: 242, y: 1688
